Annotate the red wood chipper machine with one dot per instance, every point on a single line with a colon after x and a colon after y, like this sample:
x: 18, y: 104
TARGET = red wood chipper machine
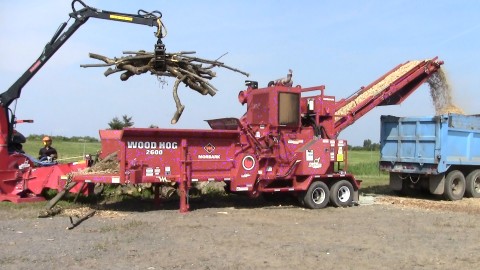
x: 286, y: 143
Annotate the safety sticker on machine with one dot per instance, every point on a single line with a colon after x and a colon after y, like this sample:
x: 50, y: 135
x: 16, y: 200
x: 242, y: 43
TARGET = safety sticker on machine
x: 315, y: 164
x: 163, y: 179
x: 309, y: 155
x: 248, y: 162
x: 340, y: 154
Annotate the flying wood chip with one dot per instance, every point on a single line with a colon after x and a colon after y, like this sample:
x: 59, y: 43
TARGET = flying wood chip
x: 194, y: 72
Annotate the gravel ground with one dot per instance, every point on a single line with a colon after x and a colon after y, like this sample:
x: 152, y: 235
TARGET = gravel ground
x: 383, y: 232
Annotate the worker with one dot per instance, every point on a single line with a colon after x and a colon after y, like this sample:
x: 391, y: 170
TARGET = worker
x: 47, y: 152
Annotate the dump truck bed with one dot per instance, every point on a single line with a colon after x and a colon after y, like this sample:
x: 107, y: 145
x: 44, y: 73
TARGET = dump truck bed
x: 429, y: 145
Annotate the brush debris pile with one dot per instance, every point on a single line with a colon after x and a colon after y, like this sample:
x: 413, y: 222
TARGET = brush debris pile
x: 109, y: 164
x: 194, y: 72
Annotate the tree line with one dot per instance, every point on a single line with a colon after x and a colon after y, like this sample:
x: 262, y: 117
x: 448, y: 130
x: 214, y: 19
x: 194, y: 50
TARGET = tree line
x: 39, y: 137
x: 115, y: 124
x: 125, y: 122
x: 367, y: 146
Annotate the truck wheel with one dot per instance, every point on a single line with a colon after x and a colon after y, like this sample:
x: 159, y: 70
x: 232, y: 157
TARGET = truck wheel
x: 317, y: 195
x: 473, y: 184
x: 454, y: 186
x: 341, y: 194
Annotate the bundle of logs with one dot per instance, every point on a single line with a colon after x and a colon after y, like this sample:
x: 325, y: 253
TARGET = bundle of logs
x: 194, y: 72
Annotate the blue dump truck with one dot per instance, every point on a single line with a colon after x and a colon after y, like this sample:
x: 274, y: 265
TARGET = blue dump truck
x: 440, y: 154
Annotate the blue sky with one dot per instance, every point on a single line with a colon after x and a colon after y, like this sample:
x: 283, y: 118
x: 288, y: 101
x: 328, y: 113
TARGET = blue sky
x: 341, y: 44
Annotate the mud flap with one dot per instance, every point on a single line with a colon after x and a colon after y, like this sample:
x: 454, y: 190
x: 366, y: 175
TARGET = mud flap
x: 436, y: 184
x: 395, y: 181
x: 356, y: 197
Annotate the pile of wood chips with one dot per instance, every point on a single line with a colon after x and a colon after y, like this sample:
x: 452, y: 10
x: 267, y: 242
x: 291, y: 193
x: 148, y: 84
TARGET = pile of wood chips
x: 466, y: 205
x: 82, y: 211
x: 440, y: 90
x: 378, y: 87
x: 441, y: 93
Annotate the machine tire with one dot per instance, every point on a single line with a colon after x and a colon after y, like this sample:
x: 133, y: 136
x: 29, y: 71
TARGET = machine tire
x: 454, y: 186
x: 341, y: 194
x: 473, y: 184
x: 317, y: 195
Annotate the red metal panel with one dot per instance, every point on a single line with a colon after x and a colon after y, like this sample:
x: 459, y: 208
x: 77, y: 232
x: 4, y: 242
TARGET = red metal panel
x: 111, y: 142
x: 259, y: 108
x: 156, y: 155
x: 315, y: 157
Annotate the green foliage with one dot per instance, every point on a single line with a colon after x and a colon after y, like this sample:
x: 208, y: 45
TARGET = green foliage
x: 48, y: 194
x: 363, y: 162
x: 147, y: 193
x: 367, y: 146
x: 362, y: 156
x: 364, y: 166
x: 118, y: 124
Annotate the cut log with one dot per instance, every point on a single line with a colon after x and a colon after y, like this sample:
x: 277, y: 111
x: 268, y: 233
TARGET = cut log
x: 187, y: 69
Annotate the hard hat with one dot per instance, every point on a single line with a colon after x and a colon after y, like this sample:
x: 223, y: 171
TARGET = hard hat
x: 46, y: 139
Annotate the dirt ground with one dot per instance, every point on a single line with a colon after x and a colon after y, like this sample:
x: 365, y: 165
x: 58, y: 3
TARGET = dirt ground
x: 383, y: 232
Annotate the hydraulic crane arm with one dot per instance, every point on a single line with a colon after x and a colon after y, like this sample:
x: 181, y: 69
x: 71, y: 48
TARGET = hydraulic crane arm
x: 61, y: 36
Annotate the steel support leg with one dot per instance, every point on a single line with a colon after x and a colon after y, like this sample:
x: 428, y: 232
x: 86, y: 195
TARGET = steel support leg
x: 184, y: 206
x: 156, y: 198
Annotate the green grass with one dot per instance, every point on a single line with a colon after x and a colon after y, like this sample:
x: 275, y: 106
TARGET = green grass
x: 356, y: 157
x: 67, y: 151
x: 364, y: 165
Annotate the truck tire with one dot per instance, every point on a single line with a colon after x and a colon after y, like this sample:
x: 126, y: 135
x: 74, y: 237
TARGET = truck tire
x: 473, y: 184
x: 341, y: 194
x: 454, y: 186
x: 317, y: 195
